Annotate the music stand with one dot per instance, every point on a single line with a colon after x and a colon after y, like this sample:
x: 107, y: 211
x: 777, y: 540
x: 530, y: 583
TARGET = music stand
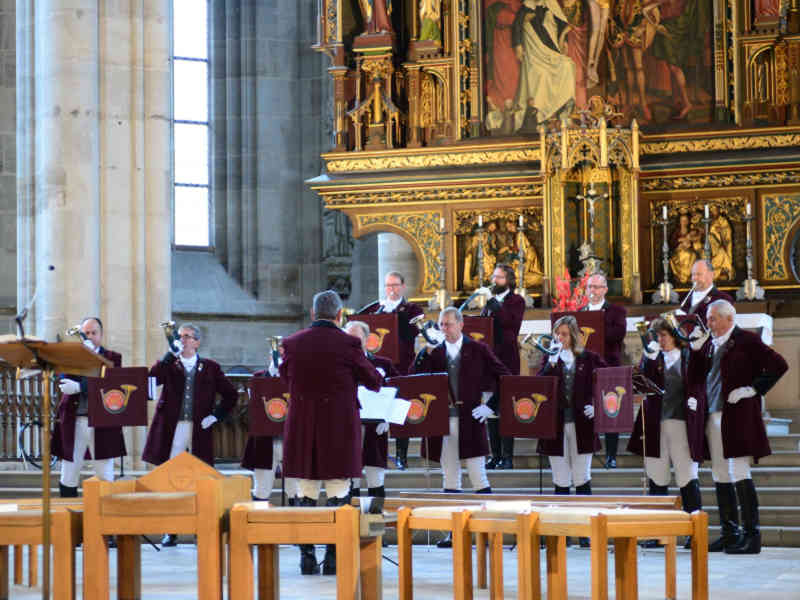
x: 71, y: 358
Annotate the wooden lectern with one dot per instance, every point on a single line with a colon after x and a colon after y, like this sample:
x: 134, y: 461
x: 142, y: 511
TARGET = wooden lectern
x: 69, y: 358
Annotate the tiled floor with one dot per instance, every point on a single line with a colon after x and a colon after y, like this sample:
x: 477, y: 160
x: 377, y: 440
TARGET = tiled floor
x: 772, y: 575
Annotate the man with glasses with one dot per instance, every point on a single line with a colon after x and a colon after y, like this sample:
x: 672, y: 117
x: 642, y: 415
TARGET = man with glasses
x: 395, y: 301
x: 187, y: 407
x: 703, y: 291
x: 615, y: 327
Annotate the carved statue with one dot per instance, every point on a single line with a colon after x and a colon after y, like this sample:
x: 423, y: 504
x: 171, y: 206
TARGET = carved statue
x: 490, y: 257
x: 686, y: 247
x: 430, y: 12
x: 533, y: 267
x: 720, y: 234
x: 376, y: 15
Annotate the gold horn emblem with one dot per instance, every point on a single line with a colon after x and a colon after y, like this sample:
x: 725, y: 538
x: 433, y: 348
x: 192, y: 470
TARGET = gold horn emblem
x: 526, y: 409
x: 116, y: 401
x: 276, y: 408
x: 419, y: 408
x: 375, y: 339
x: 476, y: 336
x: 612, y: 401
x: 585, y: 333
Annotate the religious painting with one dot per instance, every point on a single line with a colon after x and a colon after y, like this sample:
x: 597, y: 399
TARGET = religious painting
x: 687, y: 240
x: 485, y: 239
x: 766, y: 12
x: 544, y: 59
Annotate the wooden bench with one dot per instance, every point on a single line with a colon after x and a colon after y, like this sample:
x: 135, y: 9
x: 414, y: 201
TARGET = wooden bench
x: 183, y: 496
x: 358, y: 557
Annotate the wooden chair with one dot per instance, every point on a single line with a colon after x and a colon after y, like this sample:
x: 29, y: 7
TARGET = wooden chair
x: 257, y: 524
x: 184, y: 496
x: 23, y: 526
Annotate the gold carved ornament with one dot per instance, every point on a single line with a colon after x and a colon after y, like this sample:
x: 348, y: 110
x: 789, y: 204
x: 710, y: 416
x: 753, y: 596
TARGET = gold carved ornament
x: 427, y: 160
x: 452, y: 194
x: 781, y: 213
x: 748, y: 142
x: 656, y: 184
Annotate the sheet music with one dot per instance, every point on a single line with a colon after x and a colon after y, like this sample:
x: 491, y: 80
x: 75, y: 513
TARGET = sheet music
x: 382, y: 405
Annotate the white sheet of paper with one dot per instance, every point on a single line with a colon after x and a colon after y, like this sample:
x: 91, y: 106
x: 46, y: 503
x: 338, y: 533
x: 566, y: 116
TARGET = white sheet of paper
x: 4, y: 508
x: 376, y: 405
x: 399, y: 411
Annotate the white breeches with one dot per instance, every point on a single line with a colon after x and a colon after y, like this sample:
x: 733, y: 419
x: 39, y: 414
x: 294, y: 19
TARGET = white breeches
x: 334, y: 488
x: 84, y: 438
x: 571, y: 468
x: 373, y: 476
x: 674, y: 448
x: 724, y: 470
x: 182, y: 439
x: 451, y: 464
x: 264, y: 479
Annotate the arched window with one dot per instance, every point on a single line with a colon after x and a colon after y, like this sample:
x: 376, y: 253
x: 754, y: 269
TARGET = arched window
x: 192, y: 206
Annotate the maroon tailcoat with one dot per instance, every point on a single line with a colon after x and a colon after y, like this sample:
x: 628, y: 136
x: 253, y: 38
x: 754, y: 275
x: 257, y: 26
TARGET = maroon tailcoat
x: 323, y: 367
x: 209, y: 381
x: 747, y: 362
x: 616, y: 326
x: 480, y: 371
x: 693, y: 387
x: 507, y: 316
x: 701, y: 308
x: 108, y: 441
x: 407, y: 332
x: 258, y: 449
x: 376, y: 447
x: 588, y: 442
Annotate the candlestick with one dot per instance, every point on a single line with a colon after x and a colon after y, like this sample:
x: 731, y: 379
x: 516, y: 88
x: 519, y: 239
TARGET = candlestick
x: 664, y: 212
x: 750, y: 290
x: 480, y: 220
x: 666, y: 293
x: 748, y: 209
x: 521, y: 221
x: 705, y: 211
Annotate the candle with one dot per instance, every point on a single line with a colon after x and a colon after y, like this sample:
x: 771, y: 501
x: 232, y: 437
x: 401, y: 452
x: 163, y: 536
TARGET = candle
x: 441, y: 223
x: 664, y: 212
x: 480, y: 220
x: 521, y: 220
x: 748, y: 209
x: 705, y: 211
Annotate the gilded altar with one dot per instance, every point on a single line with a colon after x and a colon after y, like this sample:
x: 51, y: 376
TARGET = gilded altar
x: 569, y: 128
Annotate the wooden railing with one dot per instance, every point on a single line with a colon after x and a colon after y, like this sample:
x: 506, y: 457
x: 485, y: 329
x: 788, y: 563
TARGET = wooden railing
x: 21, y: 405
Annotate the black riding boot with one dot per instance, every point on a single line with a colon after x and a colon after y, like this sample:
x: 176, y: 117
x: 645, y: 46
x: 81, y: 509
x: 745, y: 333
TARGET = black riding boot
x: 377, y: 492
x: 308, y: 558
x: 494, y: 444
x: 751, y: 541
x: 655, y: 490
x: 562, y: 490
x: 584, y: 490
x: 507, y: 444
x: 612, y: 441
x: 401, y: 449
x: 728, y: 518
x: 486, y: 490
x: 692, y: 501
x: 329, y: 562
x: 447, y: 541
x: 67, y: 491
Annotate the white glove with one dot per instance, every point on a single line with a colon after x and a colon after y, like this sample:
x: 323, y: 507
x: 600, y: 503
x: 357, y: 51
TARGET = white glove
x: 89, y: 344
x: 652, y: 349
x: 382, y: 428
x: 588, y: 410
x: 208, y: 421
x: 69, y: 387
x: 741, y: 392
x: 482, y: 412
x: 553, y: 359
x: 382, y: 372
x: 176, y: 347
x: 692, y: 403
x: 437, y: 335
x: 697, y: 338
x: 272, y: 369
x: 680, y: 312
x: 484, y: 291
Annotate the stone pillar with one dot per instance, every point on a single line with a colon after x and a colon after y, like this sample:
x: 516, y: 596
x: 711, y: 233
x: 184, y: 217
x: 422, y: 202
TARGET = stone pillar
x: 395, y: 254
x: 8, y: 192
x: 93, y: 175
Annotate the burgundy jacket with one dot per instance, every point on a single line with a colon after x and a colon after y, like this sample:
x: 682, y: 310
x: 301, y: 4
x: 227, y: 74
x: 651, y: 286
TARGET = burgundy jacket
x: 701, y: 309
x: 588, y: 442
x: 693, y: 387
x: 747, y: 362
x: 480, y: 371
x: 376, y: 447
x: 108, y: 441
x: 258, y: 449
x: 323, y: 367
x: 408, y: 333
x: 615, y: 327
x: 209, y: 381
x: 507, y: 316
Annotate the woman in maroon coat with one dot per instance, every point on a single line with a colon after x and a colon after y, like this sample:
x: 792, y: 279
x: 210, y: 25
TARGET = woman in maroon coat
x: 571, y: 451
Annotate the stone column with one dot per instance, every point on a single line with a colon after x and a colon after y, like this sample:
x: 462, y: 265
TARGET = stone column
x: 93, y: 175
x: 395, y: 254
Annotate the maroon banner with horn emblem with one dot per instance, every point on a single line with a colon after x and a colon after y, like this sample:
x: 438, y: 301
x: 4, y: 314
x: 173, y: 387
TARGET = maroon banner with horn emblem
x: 528, y: 406
x: 384, y: 337
x: 480, y: 329
x: 592, y: 326
x: 119, y: 399
x: 430, y: 398
x: 269, y: 406
x: 613, y: 400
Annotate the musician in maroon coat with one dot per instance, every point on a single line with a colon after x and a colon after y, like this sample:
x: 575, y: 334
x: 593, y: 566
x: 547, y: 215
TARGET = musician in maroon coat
x: 323, y: 367
x: 703, y: 291
x: 615, y: 326
x: 507, y: 310
x: 570, y: 452
x: 739, y: 370
x: 395, y: 301
x: 72, y: 437
x: 375, y: 435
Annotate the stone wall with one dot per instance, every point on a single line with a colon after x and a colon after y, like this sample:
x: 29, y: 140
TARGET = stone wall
x: 8, y: 162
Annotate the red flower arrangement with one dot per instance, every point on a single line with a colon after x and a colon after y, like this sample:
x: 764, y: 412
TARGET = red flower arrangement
x: 568, y: 298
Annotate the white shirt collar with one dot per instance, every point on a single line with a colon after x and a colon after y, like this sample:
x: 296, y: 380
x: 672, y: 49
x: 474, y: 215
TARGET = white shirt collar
x: 697, y: 296
x: 501, y: 297
x: 719, y: 341
x: 566, y: 356
x: 591, y: 306
x: 454, y: 348
x: 671, y: 357
x: 189, y: 363
x: 390, y: 305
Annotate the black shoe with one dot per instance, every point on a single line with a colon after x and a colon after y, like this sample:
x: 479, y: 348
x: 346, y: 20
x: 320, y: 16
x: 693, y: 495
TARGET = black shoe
x: 169, y: 540
x: 650, y: 544
x: 493, y: 462
x: 506, y: 463
x: 611, y: 462
x: 308, y: 560
x: 401, y: 449
x: 401, y: 464
x: 584, y: 542
x: 751, y: 540
x: 728, y: 518
x: 67, y: 491
x: 111, y: 541
x: 447, y: 542
x: 329, y: 562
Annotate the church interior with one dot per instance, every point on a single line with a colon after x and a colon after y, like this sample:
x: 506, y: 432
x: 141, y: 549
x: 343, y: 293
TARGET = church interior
x: 220, y: 162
